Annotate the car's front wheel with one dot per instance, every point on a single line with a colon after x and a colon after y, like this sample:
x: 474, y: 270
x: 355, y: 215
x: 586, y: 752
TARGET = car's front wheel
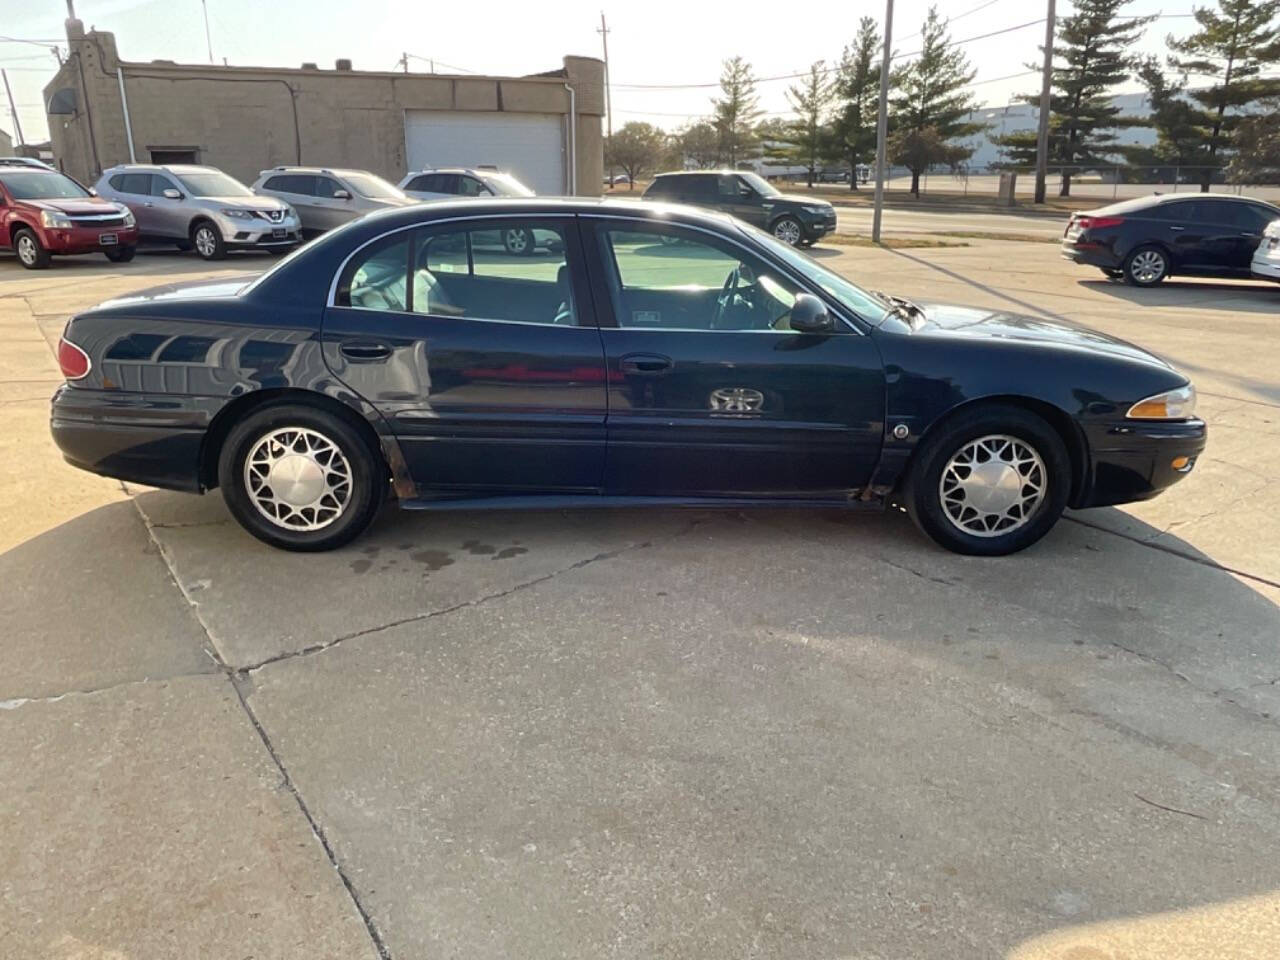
x: 300, y: 478
x: 120, y: 254
x: 207, y: 239
x: 989, y: 482
x: 1146, y: 266
x: 31, y: 252
x: 788, y: 230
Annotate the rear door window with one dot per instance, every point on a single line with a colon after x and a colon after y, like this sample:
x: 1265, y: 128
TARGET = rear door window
x: 136, y: 184
x: 302, y: 185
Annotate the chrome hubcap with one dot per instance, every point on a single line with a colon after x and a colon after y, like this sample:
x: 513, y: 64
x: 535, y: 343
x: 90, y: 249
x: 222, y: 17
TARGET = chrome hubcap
x: 205, y: 242
x: 788, y: 231
x: 298, y: 479
x: 517, y: 242
x: 26, y: 249
x: 992, y: 486
x: 1147, y: 267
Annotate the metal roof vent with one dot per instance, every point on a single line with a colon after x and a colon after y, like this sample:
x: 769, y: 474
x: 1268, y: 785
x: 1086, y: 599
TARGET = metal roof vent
x: 342, y: 65
x: 311, y: 66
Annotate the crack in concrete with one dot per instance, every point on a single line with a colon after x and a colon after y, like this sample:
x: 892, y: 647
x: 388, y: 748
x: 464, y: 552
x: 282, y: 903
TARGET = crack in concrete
x: 465, y: 604
x: 13, y: 703
x: 1164, y: 548
x: 237, y: 682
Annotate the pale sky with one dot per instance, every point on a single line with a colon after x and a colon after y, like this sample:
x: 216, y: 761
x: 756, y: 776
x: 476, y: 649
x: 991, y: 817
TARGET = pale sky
x: 655, y: 42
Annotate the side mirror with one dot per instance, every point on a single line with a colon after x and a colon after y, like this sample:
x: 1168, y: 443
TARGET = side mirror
x: 93, y: 191
x: 172, y: 194
x: 809, y: 315
x: 341, y: 195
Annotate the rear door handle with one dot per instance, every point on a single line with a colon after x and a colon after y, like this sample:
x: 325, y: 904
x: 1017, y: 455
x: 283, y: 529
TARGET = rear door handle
x: 646, y: 364
x: 364, y: 351
x: 1177, y: 228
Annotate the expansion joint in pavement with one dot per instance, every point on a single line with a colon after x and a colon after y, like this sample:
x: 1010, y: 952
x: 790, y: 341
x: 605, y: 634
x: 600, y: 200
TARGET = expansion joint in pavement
x: 236, y: 682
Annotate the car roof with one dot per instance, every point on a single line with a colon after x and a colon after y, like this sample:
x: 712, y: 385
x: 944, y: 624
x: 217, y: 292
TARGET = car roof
x: 167, y: 167
x: 473, y: 171
x: 1155, y: 200
x: 696, y: 173
x: 534, y: 206
x: 331, y: 171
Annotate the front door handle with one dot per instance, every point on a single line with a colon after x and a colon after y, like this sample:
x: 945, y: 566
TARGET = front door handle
x: 364, y: 351
x: 646, y: 364
x: 1177, y: 228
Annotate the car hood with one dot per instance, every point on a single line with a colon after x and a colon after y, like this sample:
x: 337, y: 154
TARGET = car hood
x: 75, y: 206
x: 389, y: 201
x: 199, y: 290
x: 948, y: 319
x: 798, y: 198
x: 247, y: 203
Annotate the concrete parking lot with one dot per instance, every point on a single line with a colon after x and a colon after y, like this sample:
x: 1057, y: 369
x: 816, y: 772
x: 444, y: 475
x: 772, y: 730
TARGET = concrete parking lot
x: 649, y: 734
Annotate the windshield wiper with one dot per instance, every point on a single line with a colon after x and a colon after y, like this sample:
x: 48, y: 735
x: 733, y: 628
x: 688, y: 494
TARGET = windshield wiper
x: 901, y: 306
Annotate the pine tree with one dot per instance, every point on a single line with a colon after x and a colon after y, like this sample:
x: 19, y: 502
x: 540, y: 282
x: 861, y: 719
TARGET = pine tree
x: 736, y: 110
x: 857, y: 87
x: 808, y: 140
x: 1090, y: 58
x: 1172, y: 116
x: 930, y: 105
x: 1234, y: 47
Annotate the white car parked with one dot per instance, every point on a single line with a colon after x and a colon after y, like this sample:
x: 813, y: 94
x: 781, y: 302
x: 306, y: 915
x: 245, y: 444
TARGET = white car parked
x: 440, y: 182
x: 1266, y: 259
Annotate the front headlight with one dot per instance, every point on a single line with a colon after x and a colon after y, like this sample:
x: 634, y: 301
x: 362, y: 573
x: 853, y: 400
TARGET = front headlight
x: 129, y: 219
x: 238, y: 214
x: 808, y: 208
x: 1171, y: 405
x: 51, y: 218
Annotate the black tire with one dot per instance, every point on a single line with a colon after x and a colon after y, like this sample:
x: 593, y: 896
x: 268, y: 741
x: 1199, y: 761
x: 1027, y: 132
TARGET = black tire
x: 923, y: 496
x: 207, y: 239
x: 120, y: 254
x: 1112, y: 274
x: 788, y: 230
x: 31, y: 252
x: 1145, y: 266
x: 518, y: 241
x: 366, y: 471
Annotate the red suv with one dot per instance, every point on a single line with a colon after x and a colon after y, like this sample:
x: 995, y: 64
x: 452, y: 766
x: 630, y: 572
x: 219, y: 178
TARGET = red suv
x: 43, y: 213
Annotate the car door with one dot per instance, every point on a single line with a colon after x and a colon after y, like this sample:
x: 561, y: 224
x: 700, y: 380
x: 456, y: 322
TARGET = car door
x: 1199, y: 238
x: 171, y: 216
x: 710, y: 392
x: 739, y: 198
x: 334, y: 203
x: 488, y: 366
x: 1251, y: 221
x: 134, y: 191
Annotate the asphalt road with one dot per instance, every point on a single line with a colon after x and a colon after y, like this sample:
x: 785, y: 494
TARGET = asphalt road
x: 649, y: 734
x: 895, y: 221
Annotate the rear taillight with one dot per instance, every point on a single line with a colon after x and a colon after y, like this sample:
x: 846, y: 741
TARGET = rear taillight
x: 73, y: 361
x: 1097, y: 223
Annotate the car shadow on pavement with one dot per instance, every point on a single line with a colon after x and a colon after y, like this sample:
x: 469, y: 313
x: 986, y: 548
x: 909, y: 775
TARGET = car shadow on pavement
x: 990, y: 291
x: 1247, y: 296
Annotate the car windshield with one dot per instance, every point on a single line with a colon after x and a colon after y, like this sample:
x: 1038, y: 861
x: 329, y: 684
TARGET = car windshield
x: 375, y: 188
x: 39, y: 185
x: 866, y: 305
x: 760, y: 184
x: 215, y: 183
x: 505, y: 185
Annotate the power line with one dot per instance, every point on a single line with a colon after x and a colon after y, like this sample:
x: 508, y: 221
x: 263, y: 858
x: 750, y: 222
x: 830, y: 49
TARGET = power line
x: 433, y: 61
x: 958, y: 16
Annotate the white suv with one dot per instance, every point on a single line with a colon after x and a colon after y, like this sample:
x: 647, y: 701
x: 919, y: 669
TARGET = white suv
x: 440, y: 182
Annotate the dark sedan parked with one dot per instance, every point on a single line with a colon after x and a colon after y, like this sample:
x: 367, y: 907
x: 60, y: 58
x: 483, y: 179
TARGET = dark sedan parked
x: 658, y: 355
x: 792, y: 218
x: 1145, y: 240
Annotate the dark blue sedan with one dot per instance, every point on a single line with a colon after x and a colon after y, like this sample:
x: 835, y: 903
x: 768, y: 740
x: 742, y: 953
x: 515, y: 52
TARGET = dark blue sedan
x: 646, y: 355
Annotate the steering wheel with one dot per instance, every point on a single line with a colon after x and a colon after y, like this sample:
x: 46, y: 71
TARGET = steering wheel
x: 726, y: 297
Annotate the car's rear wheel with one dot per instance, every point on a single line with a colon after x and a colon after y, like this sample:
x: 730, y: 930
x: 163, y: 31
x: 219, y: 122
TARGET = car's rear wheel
x: 989, y: 482
x: 518, y: 240
x: 31, y: 252
x: 120, y: 254
x: 788, y: 230
x: 1146, y: 266
x: 299, y: 478
x: 207, y: 239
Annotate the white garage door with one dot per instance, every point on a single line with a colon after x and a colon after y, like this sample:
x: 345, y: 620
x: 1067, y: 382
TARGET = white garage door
x: 528, y: 145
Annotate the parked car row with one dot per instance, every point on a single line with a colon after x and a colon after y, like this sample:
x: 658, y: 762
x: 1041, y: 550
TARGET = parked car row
x: 45, y: 213
x: 1143, y: 241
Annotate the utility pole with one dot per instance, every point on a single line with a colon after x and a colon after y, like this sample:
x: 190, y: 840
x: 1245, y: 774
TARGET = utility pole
x: 608, y: 93
x: 208, y: 38
x: 882, y: 122
x: 404, y: 61
x: 17, y: 124
x: 1042, y: 134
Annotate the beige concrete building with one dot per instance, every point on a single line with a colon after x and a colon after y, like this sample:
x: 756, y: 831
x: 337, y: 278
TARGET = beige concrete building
x: 6, y: 144
x: 104, y: 111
